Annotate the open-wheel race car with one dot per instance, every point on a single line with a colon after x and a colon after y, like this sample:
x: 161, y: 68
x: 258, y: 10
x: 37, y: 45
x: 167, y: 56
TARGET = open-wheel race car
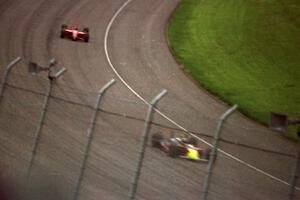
x: 180, y: 147
x: 74, y: 33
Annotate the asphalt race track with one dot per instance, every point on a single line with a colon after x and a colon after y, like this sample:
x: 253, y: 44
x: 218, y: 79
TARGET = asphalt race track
x: 138, y: 50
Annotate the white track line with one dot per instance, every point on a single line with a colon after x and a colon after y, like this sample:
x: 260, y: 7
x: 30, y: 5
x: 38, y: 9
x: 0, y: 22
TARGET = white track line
x: 163, y: 115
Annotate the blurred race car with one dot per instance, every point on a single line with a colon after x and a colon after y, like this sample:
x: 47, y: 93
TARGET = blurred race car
x: 181, y: 147
x: 74, y: 34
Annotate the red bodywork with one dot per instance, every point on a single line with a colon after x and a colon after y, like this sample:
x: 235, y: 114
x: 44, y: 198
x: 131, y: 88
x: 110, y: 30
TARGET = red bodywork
x: 74, y: 34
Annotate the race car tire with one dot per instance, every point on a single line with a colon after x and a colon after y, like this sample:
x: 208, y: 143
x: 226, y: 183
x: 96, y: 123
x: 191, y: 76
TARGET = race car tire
x: 192, y: 141
x: 173, y: 150
x: 86, y: 39
x: 156, y: 138
x: 205, y: 154
x: 86, y: 30
x: 62, y: 34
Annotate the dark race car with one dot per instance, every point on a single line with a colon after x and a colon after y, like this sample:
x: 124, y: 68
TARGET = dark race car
x: 74, y: 34
x: 181, y: 147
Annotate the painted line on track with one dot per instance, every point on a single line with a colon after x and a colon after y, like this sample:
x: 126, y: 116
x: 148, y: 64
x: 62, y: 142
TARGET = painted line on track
x: 163, y: 115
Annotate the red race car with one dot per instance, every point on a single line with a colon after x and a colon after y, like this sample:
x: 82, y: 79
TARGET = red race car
x: 181, y: 147
x: 74, y: 34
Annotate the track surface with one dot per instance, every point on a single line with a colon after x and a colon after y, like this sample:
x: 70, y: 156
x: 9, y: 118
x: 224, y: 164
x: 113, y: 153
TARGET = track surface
x: 138, y: 49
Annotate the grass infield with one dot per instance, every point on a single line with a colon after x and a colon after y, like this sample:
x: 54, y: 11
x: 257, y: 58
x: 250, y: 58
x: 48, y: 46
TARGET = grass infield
x: 244, y: 51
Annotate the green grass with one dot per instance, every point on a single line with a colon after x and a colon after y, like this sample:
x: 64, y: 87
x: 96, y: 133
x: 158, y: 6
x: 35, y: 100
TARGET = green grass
x: 244, y: 51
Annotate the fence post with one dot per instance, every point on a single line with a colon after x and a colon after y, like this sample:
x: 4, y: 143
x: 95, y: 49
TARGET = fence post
x: 38, y: 130
x: 143, y: 143
x: 296, y: 171
x: 90, y: 138
x: 7, y: 70
x: 214, y: 150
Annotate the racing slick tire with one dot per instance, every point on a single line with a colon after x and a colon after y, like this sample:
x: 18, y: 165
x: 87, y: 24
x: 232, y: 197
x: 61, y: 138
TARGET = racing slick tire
x: 174, y: 151
x: 205, y: 154
x: 86, y: 39
x: 155, y: 140
x: 192, y: 141
x: 87, y: 30
x: 62, y: 34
